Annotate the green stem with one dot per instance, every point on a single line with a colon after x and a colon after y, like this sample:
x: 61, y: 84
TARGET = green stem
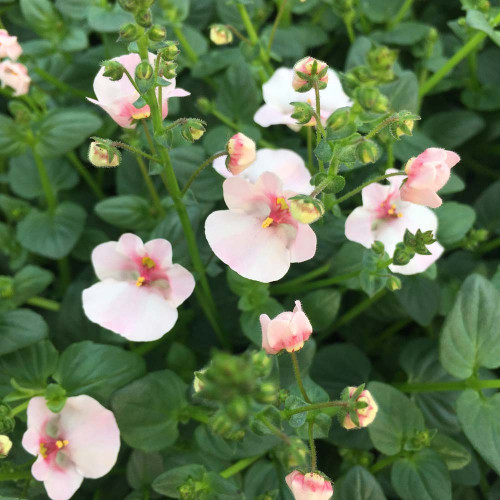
x: 400, y: 14
x: 198, y: 414
x: 390, y: 155
x: 298, y: 378
x: 238, y: 33
x: 225, y: 119
x: 312, y: 446
x: 191, y: 54
x: 20, y: 408
x: 50, y: 196
x: 312, y: 407
x: 85, y: 174
x: 462, y: 53
x: 131, y: 80
x: 136, y: 151
x: 42, y: 302
x: 382, y: 464
x: 459, y: 385
x: 319, y: 125
x: 59, y: 85
x: 200, y: 169
x: 281, y: 10
x: 380, y: 127
x: 310, y: 164
x: 350, y: 30
x: 286, y: 288
x: 282, y: 287
x: 150, y: 186
x: 239, y: 466
x: 359, y: 308
x: 275, y: 430
x: 360, y: 188
x: 489, y: 246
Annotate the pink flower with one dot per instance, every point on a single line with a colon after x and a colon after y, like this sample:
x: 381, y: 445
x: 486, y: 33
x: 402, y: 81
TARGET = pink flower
x: 288, y: 330
x: 15, y: 76
x: 385, y: 217
x: 257, y: 237
x: 81, y: 441
x: 278, y: 94
x: 241, y: 151
x: 286, y: 164
x: 310, y: 486
x: 365, y: 415
x: 427, y: 174
x: 305, y: 66
x: 140, y: 288
x: 9, y: 46
x: 118, y: 98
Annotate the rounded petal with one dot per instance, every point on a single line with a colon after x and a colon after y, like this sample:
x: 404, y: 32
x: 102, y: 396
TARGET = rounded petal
x: 304, y: 246
x: 279, y: 335
x: 374, y: 195
x: 219, y: 165
x: 131, y: 245
x: 138, y: 313
x: 451, y: 159
x: 93, y: 435
x: 333, y: 96
x: 426, y: 197
x: 60, y: 483
x: 419, y: 217
x: 300, y: 325
x: 278, y: 90
x: 269, y: 185
x: 160, y: 250
x: 38, y: 414
x: 268, y: 115
x: 31, y: 441
x: 265, y: 320
x: 108, y: 262
x: 254, y: 252
x: 358, y: 227
x: 181, y: 284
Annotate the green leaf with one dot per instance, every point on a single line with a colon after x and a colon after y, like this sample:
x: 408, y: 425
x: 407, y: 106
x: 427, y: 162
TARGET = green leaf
x: 455, y: 221
x: 322, y: 307
x: 143, y: 469
x: 380, y: 11
x: 20, y: 328
x: 476, y: 19
x: 97, y: 370
x: 12, y: 137
x: 40, y: 15
x: 403, y: 92
x: 419, y: 297
x: 212, y: 444
x: 52, y: 235
x: 146, y: 410
x: 453, y: 454
x: 405, y: 33
x: 359, y: 484
x: 65, y: 129
x: 261, y: 477
x: 323, y: 152
x: 479, y: 418
x: 488, y: 208
x: 169, y: 482
x: 30, y: 281
x: 421, y: 477
x: 105, y: 20
x: 392, y: 427
x: 470, y: 338
x: 126, y: 212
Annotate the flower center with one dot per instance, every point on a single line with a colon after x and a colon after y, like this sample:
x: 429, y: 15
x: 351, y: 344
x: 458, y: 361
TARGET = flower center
x: 278, y: 212
x: 49, y: 447
x: 148, y: 264
x: 389, y: 210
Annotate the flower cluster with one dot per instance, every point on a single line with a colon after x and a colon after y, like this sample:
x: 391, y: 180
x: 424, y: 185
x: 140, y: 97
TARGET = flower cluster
x: 12, y: 74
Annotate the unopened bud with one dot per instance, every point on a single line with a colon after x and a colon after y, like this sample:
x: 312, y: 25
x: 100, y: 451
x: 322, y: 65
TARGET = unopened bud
x: 378, y: 247
x: 170, y: 51
x: 204, y: 105
x: 367, y: 151
x: 381, y: 104
x: 198, y: 381
x: 144, y: 18
x: 168, y: 69
x: 144, y: 71
x: 267, y: 393
x: 128, y: 5
x: 241, y: 153
x: 261, y: 363
x: 402, y: 255
x: 220, y: 34
x: 5, y: 445
x: 113, y: 70
x: 237, y: 409
x: 103, y: 156
x: 307, y: 71
x: 302, y: 112
x: 7, y: 422
x: 394, y: 283
x: 405, y: 128
x: 382, y: 58
x: 364, y: 410
x: 367, y: 97
x: 157, y: 33
x: 305, y: 209
x: 128, y: 33
x: 193, y: 130
x: 339, y: 118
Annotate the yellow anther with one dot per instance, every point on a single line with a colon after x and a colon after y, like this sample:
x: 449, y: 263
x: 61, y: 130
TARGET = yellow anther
x: 400, y: 214
x: 61, y: 444
x: 140, y: 281
x: 267, y: 222
x: 391, y: 211
x: 43, y: 450
x: 281, y: 202
x: 148, y: 262
x: 139, y: 115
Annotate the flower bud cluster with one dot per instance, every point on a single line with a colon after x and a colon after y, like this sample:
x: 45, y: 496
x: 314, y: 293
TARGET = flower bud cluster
x: 412, y: 244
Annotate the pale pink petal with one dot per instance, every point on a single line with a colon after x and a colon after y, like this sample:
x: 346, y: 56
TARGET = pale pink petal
x: 110, y: 263
x: 451, y: 159
x: 268, y: 115
x: 300, y: 325
x: 278, y: 90
x: 114, y: 112
x: 38, y: 414
x: 93, y: 436
x: 160, y: 251
x: 181, y: 283
x: 419, y: 217
x: 333, y: 96
x: 425, y: 197
x: 269, y: 184
x: 265, y: 321
x: 279, y: 335
x: 31, y: 441
x: 254, y: 252
x: 60, y: 483
x: 219, y: 165
x: 131, y: 245
x: 358, y: 226
x: 138, y: 313
x: 238, y: 193
x: 304, y: 246
x: 426, y: 176
x: 374, y: 195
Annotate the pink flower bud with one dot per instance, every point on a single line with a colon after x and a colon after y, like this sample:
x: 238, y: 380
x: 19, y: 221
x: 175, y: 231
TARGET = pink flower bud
x: 427, y: 174
x: 310, y: 486
x: 365, y: 415
x: 289, y: 330
x: 99, y: 157
x: 305, y: 66
x: 9, y: 46
x: 220, y: 34
x: 5, y: 445
x: 241, y: 153
x: 15, y: 76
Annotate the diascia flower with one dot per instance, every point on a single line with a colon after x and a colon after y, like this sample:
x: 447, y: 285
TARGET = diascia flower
x: 118, y: 98
x: 15, y: 76
x: 427, y: 174
x: 365, y: 415
x: 286, y: 164
x: 140, y: 289
x: 278, y: 94
x: 9, y: 46
x: 241, y: 151
x: 82, y: 441
x: 385, y: 217
x: 288, y: 330
x: 257, y: 237
x: 310, y: 486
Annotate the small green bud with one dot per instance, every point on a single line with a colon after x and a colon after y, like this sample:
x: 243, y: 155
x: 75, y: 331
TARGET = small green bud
x: 381, y: 58
x: 144, y: 71
x: 237, y: 409
x: 378, y: 248
x: 144, y: 18
x: 339, y: 118
x: 367, y: 96
x: 367, y: 151
x: 402, y: 255
x: 157, y: 33
x: 267, y: 393
x: 204, y: 105
x: 113, y: 70
x: 128, y: 33
x: 262, y: 363
x: 302, y: 112
x: 7, y: 423
x: 128, y: 5
x: 394, y: 283
x: 220, y: 34
x: 193, y: 130
x: 168, y: 69
x: 381, y: 104
x: 170, y: 51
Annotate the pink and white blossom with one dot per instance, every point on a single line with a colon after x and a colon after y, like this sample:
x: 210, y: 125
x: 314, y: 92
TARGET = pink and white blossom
x: 289, y: 330
x: 9, y: 46
x: 365, y: 415
x: 278, y: 94
x: 385, y: 217
x: 241, y: 155
x: 305, y: 66
x: 286, y: 164
x: 15, y: 76
x: 118, y: 98
x: 427, y: 174
x: 82, y: 441
x: 310, y: 486
x: 257, y: 237
x: 139, y: 290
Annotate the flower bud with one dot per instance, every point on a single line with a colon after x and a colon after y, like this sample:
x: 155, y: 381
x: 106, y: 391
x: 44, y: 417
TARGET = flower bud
x: 157, y: 33
x: 367, y: 96
x: 128, y: 33
x: 7, y: 423
x: 144, y: 71
x: 101, y: 156
x: 367, y: 151
x: 267, y: 393
x: 381, y: 58
x: 365, y: 414
x: 170, y: 51
x: 220, y: 34
x: 128, y: 5
x: 113, y: 70
x: 193, y: 130
x: 237, y: 409
x: 394, y: 283
x: 310, y: 486
x: 144, y: 18
x: 339, y: 118
x: 307, y: 71
x: 261, y: 363
x: 306, y: 209
x: 168, y: 69
x: 405, y: 128
x: 303, y: 113
x: 294, y: 454
x: 5, y: 445
x: 204, y: 105
x: 241, y: 153
x: 402, y: 255
x: 378, y: 248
